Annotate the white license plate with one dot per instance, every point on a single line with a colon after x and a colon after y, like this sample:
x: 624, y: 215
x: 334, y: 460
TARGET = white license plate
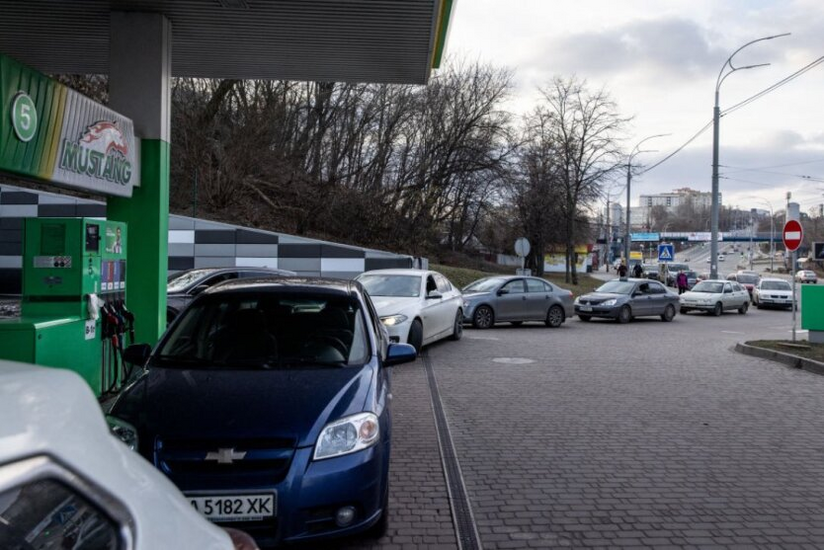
x: 585, y: 308
x: 235, y: 507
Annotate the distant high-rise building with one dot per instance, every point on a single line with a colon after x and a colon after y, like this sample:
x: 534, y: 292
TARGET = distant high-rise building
x: 700, y: 200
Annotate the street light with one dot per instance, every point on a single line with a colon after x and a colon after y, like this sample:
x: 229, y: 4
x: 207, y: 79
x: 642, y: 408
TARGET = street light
x: 635, y: 151
x: 716, y: 118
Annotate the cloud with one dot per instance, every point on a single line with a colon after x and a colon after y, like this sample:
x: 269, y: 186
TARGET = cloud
x: 676, y: 46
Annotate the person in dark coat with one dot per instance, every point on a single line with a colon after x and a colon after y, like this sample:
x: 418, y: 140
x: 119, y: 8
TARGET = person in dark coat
x: 638, y: 271
x: 682, y: 282
x: 622, y: 270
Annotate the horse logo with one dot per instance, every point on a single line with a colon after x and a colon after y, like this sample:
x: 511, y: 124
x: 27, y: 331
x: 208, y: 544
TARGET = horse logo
x: 104, y: 136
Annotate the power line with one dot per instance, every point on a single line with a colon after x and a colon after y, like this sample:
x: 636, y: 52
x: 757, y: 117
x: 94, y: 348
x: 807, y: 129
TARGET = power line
x: 775, y: 86
x: 800, y: 176
x: 741, y: 169
x: 739, y: 105
x: 666, y: 158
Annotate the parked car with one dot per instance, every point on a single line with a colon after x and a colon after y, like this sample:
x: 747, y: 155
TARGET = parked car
x: 65, y: 482
x: 624, y: 299
x: 722, y: 257
x: 773, y: 293
x: 515, y: 299
x: 182, y: 287
x: 747, y: 279
x: 716, y: 297
x: 267, y: 403
x: 416, y: 306
x: 806, y: 276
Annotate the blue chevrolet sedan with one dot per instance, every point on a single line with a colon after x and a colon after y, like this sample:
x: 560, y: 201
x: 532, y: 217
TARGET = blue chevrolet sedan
x: 267, y: 403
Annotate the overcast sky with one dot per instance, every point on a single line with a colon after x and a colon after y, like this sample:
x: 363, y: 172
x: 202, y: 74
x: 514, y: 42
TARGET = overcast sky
x: 659, y: 61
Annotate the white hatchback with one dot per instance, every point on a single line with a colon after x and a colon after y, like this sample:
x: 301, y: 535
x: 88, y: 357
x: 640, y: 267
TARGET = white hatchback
x: 416, y: 306
x: 716, y: 297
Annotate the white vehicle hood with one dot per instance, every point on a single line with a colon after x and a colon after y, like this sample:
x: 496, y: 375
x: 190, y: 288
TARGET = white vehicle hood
x: 779, y: 293
x: 53, y: 412
x: 699, y: 296
x: 392, y: 305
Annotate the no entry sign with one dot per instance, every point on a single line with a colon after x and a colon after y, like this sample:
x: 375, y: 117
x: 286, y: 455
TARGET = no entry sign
x: 793, y: 234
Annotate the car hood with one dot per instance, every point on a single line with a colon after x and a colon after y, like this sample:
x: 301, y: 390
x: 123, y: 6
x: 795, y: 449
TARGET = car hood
x: 783, y: 293
x: 690, y: 295
x: 601, y: 296
x: 392, y: 305
x: 289, y: 403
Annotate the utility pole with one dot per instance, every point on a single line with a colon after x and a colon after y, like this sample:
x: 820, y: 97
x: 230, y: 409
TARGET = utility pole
x: 752, y: 230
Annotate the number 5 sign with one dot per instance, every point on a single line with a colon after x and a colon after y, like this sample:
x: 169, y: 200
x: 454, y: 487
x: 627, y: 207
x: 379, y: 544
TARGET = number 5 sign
x: 23, y: 117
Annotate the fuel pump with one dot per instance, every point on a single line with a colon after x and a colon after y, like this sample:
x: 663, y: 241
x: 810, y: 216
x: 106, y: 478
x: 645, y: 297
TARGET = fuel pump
x: 73, y: 310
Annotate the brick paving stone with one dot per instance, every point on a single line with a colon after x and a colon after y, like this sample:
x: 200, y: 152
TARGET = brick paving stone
x: 647, y: 434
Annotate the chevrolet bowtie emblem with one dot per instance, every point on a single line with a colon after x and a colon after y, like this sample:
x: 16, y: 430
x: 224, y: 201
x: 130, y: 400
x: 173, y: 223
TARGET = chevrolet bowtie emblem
x: 225, y: 456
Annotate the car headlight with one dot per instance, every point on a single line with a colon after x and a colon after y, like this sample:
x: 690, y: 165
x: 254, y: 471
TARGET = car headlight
x: 347, y: 435
x: 610, y: 302
x: 123, y: 431
x: 577, y: 300
x: 392, y: 320
x: 466, y: 303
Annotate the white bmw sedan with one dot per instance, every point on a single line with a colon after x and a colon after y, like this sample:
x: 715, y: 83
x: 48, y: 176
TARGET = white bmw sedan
x: 416, y: 306
x: 716, y: 297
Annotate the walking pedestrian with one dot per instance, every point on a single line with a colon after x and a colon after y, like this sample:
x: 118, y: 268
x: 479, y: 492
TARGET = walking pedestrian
x: 622, y: 269
x: 638, y: 270
x: 682, y: 282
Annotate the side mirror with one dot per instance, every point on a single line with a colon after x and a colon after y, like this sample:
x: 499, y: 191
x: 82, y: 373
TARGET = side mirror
x: 397, y: 354
x: 502, y: 291
x: 137, y: 354
x: 198, y: 289
x: 434, y: 295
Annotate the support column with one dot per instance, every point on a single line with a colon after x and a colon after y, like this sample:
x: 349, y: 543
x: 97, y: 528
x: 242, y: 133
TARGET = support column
x: 140, y: 88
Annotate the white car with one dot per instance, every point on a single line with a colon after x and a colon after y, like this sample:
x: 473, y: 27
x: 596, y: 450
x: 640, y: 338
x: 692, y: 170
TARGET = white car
x: 773, y: 293
x: 716, y: 297
x: 806, y: 276
x: 416, y: 306
x: 722, y: 257
x: 67, y: 482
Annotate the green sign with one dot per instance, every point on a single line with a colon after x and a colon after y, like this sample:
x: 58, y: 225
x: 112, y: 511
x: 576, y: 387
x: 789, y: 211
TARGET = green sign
x: 52, y: 133
x: 23, y: 116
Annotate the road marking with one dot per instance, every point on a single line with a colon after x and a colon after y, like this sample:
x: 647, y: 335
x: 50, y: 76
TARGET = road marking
x: 800, y: 331
x: 731, y: 332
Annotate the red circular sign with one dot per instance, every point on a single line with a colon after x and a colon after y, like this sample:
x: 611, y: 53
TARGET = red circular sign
x: 793, y: 234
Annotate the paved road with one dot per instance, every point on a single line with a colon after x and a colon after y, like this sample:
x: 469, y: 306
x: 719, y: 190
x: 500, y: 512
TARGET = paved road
x: 643, y: 435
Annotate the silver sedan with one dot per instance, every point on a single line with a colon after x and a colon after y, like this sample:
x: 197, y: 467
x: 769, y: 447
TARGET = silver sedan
x: 515, y: 299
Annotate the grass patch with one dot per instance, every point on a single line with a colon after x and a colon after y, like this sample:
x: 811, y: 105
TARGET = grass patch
x: 461, y: 276
x: 802, y: 349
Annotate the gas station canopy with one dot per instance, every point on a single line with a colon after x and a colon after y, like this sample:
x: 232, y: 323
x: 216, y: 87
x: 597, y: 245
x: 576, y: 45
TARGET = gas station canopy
x: 393, y: 41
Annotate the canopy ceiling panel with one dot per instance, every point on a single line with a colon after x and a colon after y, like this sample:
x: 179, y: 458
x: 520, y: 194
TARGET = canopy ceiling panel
x: 394, y: 41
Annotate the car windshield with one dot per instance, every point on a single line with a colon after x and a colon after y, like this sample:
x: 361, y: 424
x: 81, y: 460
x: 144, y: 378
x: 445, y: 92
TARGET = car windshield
x: 408, y: 286
x: 710, y: 287
x: 616, y: 287
x: 747, y: 279
x: 691, y: 274
x: 675, y: 268
x: 181, y: 281
x: 266, y: 330
x: 484, y: 285
x: 775, y: 285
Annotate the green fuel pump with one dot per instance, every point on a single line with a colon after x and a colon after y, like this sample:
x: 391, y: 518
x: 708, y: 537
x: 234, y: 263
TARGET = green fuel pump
x: 74, y: 285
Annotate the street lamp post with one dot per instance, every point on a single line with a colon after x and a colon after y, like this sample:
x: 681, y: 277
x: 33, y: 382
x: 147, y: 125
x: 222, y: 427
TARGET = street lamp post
x: 716, y: 118
x: 635, y: 151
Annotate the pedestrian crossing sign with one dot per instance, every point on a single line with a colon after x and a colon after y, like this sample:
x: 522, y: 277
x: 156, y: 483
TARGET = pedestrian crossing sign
x: 666, y: 252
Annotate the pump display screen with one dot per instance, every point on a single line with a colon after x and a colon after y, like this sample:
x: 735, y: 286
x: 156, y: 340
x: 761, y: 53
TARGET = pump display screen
x: 52, y: 239
x: 92, y: 238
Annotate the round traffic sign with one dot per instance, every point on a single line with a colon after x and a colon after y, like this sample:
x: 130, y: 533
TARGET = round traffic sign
x: 23, y: 116
x: 793, y: 234
x: 522, y: 247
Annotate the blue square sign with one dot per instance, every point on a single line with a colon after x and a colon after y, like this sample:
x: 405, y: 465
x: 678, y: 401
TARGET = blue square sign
x: 666, y: 252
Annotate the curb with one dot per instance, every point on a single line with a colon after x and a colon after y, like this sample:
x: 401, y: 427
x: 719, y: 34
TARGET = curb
x: 788, y: 359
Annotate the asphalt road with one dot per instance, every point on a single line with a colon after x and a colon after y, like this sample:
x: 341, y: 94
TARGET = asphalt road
x: 597, y: 434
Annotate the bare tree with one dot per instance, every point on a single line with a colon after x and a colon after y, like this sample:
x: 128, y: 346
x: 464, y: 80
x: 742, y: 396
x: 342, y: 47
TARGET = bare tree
x: 586, y: 129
